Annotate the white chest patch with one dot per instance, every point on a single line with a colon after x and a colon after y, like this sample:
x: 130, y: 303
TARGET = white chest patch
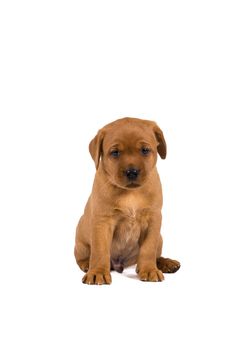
x: 129, y: 226
x: 132, y: 212
x: 128, y: 206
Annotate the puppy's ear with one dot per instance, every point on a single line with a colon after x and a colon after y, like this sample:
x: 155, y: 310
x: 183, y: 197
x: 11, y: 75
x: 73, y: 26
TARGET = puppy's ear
x: 162, y: 147
x: 95, y: 147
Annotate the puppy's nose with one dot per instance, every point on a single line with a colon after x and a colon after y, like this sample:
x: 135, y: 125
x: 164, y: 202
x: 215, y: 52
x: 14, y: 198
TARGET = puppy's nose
x: 132, y: 173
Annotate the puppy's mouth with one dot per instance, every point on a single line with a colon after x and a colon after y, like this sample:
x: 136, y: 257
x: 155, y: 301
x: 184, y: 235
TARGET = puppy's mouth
x: 132, y: 185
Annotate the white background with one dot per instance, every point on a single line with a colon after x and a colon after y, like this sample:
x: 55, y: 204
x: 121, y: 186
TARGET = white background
x: 68, y: 68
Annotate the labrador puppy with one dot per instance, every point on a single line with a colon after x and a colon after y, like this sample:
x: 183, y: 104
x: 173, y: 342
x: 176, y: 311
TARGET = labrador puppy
x: 122, y: 218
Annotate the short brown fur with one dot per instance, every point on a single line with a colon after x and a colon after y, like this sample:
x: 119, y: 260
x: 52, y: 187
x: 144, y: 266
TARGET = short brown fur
x: 122, y: 218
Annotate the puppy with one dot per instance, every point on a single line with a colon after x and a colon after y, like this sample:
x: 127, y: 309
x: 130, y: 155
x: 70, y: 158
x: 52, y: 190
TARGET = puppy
x: 122, y: 218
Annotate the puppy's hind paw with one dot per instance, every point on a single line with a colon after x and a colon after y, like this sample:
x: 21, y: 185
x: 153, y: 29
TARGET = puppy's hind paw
x: 168, y: 265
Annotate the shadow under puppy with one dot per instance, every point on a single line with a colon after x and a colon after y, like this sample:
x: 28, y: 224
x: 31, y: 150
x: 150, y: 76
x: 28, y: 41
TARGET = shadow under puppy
x: 122, y: 218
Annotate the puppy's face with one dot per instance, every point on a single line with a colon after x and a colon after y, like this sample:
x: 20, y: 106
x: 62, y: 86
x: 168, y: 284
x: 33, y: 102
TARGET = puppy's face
x: 129, y: 156
x: 128, y: 148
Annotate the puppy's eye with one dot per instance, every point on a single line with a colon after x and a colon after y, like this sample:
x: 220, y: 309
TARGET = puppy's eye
x: 115, y: 153
x: 145, y: 150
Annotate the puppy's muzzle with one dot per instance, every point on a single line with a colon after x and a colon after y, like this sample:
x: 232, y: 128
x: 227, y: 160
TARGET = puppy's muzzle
x: 132, y: 174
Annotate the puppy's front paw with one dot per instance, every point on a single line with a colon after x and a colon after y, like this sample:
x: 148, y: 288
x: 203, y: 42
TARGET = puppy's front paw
x: 150, y: 275
x: 97, y: 277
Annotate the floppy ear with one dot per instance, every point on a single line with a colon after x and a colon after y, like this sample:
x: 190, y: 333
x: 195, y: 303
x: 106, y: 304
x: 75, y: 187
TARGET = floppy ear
x: 95, y: 147
x: 162, y: 147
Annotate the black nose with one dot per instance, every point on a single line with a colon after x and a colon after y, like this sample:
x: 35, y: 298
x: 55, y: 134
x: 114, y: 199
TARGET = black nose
x: 132, y: 173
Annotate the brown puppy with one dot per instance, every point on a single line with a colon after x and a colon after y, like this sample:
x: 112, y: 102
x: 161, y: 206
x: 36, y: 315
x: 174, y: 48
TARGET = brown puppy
x: 122, y: 218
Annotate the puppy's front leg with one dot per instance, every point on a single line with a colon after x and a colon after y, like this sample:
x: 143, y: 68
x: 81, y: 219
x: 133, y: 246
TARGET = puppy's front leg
x: 99, y: 267
x: 146, y: 265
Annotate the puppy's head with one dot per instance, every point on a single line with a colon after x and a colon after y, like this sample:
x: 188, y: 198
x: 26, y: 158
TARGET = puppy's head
x: 128, y: 149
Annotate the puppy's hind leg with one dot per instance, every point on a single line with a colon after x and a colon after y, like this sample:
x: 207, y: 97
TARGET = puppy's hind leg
x: 82, y: 256
x: 166, y: 265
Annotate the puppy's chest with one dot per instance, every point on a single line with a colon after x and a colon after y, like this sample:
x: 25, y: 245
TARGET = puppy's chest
x: 133, y: 216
